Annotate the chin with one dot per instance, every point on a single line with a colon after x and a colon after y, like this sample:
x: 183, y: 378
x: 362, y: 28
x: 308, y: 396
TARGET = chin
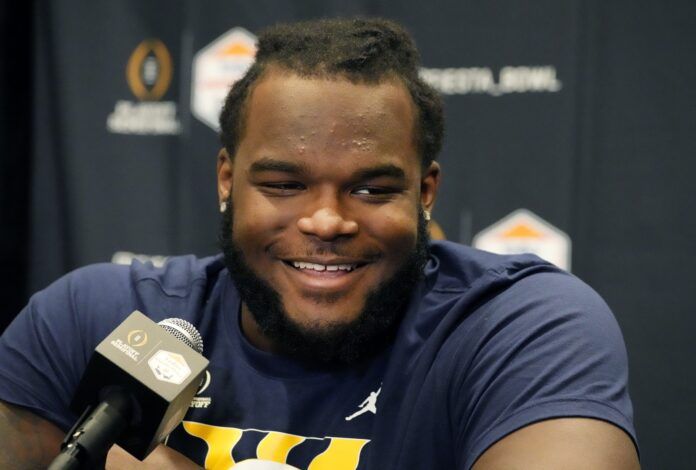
x: 313, y: 319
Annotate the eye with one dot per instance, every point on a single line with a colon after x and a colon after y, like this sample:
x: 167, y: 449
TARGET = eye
x: 281, y: 188
x: 376, y: 193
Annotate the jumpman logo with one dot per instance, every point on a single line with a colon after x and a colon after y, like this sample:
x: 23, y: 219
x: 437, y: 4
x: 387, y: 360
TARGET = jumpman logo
x: 369, y: 404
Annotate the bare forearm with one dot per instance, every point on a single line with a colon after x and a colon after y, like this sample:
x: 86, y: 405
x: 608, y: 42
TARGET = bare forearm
x: 28, y: 441
x: 161, y: 457
x: 567, y: 443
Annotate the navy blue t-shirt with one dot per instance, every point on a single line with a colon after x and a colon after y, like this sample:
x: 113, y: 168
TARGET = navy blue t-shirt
x: 488, y: 345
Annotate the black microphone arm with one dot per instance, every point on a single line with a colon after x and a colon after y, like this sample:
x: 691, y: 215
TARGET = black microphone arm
x: 88, y: 442
x: 135, y: 391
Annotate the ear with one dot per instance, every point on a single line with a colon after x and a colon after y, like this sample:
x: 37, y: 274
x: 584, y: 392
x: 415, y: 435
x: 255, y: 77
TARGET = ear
x: 430, y: 182
x: 225, y: 171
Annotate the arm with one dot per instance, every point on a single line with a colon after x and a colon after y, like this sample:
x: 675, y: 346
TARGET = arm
x: 27, y: 441
x: 567, y: 443
x: 161, y: 457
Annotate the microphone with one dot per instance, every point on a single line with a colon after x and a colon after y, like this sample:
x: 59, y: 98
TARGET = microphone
x: 135, y: 390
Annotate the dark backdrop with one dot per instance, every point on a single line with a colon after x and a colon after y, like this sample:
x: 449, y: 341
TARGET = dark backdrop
x: 603, y: 149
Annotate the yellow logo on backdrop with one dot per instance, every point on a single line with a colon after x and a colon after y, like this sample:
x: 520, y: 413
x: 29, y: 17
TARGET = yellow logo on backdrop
x: 522, y: 231
x: 149, y: 70
x: 341, y: 454
x: 215, y: 68
x: 149, y: 73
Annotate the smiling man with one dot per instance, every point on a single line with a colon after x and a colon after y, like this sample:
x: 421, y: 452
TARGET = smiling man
x: 328, y: 193
x: 339, y: 337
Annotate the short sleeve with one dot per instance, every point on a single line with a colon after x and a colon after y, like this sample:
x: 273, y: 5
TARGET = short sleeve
x: 546, y: 347
x: 46, y: 348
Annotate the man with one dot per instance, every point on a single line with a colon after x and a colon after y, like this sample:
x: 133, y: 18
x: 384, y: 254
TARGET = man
x: 338, y: 336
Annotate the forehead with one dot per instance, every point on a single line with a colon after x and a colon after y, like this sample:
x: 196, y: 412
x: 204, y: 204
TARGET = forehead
x: 329, y: 117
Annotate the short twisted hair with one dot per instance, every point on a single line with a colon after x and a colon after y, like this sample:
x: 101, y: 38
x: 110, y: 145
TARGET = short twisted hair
x: 360, y: 50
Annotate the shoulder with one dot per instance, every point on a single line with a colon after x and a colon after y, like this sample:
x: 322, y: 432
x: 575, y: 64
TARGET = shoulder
x: 174, y: 274
x: 549, y: 321
x: 461, y: 284
x: 496, y: 301
x: 508, y: 284
x: 97, y: 297
x: 458, y: 267
x: 177, y: 276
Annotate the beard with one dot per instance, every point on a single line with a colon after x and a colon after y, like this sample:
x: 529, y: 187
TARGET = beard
x: 334, y: 344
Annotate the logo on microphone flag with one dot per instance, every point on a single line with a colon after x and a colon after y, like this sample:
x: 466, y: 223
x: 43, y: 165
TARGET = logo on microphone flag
x: 169, y: 367
x: 137, y: 338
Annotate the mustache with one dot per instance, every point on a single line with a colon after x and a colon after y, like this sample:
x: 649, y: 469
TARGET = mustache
x: 328, y: 249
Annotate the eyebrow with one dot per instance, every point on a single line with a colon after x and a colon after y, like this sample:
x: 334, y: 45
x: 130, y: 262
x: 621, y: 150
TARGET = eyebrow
x: 271, y: 164
x: 388, y: 170
x: 301, y: 169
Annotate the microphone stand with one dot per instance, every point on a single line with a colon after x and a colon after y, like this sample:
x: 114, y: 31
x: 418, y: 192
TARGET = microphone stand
x: 87, y: 443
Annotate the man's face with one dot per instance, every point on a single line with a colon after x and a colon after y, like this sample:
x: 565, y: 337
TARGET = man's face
x: 326, y: 187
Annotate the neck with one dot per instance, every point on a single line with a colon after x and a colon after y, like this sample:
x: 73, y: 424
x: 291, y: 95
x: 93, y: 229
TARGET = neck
x: 253, y: 333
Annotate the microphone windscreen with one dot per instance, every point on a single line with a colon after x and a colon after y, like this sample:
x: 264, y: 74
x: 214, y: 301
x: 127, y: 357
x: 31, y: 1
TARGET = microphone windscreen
x: 184, y: 332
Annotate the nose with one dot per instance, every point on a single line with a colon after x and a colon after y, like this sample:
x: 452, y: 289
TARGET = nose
x: 327, y: 223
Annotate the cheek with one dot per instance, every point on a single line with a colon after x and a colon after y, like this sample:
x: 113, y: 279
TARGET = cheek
x: 397, y: 230
x: 257, y: 221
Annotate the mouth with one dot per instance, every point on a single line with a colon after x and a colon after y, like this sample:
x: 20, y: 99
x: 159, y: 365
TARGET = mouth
x: 321, y: 267
x: 316, y: 275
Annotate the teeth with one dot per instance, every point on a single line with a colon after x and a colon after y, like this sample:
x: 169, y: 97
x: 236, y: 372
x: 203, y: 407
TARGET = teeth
x: 316, y: 267
x: 323, y: 267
